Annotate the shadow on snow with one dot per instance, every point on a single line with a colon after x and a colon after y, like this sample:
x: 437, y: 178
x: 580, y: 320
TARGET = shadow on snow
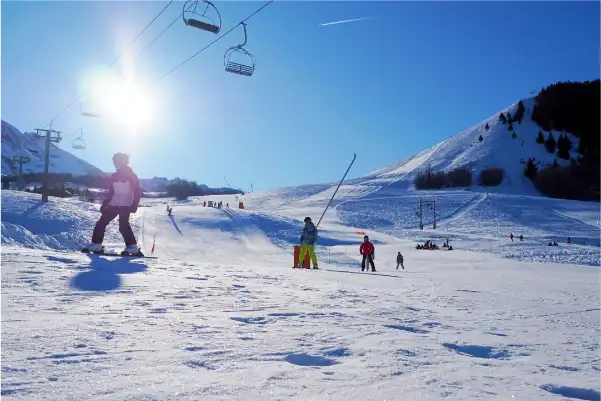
x: 104, y: 273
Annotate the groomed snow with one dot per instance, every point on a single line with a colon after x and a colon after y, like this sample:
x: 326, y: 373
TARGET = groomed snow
x: 221, y: 314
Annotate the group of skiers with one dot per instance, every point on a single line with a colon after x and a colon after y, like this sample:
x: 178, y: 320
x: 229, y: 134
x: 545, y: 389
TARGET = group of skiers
x: 367, y: 250
x: 215, y: 204
x: 511, y: 237
x: 551, y: 243
x: 123, y: 198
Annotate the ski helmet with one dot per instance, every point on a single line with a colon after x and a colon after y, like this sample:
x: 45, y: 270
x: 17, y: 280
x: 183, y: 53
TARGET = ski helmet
x: 307, y: 219
x: 121, y: 158
x: 365, y: 238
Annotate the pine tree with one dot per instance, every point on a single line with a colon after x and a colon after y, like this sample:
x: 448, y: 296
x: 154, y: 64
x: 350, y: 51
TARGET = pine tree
x: 519, y: 115
x: 540, y: 138
x: 486, y: 127
x: 530, y: 170
x: 563, y: 144
x: 550, y: 143
x: 569, y: 144
x: 502, y: 118
x: 480, y: 138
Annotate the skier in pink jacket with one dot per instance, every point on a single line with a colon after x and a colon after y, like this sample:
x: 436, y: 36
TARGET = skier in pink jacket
x: 123, y: 198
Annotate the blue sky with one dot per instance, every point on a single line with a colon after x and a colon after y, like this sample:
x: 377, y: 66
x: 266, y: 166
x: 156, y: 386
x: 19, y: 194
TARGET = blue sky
x: 409, y: 77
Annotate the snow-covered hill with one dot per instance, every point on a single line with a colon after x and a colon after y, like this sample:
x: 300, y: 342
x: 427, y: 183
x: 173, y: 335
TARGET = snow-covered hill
x: 14, y: 143
x: 221, y: 314
x: 498, y: 149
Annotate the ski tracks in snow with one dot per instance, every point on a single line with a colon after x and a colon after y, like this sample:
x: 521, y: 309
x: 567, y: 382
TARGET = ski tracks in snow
x: 183, y: 330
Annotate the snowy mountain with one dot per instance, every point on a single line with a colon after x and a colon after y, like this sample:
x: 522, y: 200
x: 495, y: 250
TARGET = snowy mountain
x: 220, y: 314
x: 498, y: 148
x: 15, y: 143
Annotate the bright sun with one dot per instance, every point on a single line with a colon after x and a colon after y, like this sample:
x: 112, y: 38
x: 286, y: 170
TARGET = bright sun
x: 121, y: 101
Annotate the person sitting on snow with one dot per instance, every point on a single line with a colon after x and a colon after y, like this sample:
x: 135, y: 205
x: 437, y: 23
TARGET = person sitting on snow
x: 308, y: 239
x: 123, y: 198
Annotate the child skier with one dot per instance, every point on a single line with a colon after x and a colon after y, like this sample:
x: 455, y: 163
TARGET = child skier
x: 308, y: 239
x: 399, y: 261
x: 123, y: 198
x: 367, y: 249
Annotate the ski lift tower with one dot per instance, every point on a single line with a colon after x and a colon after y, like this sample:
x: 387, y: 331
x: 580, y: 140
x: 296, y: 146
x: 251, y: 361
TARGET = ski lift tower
x: 426, y: 203
x: 51, y: 135
x: 21, y: 160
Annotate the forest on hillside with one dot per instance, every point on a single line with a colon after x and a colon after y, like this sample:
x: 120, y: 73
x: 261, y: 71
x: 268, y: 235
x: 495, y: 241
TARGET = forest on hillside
x: 573, y: 107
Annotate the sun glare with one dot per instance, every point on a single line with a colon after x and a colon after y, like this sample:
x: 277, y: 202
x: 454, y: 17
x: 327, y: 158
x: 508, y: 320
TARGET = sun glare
x: 121, y: 101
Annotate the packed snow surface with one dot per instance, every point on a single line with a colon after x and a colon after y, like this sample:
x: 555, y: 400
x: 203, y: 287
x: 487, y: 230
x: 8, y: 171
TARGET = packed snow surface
x: 221, y: 315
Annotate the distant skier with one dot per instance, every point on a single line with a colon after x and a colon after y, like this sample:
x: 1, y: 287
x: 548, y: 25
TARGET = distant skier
x: 521, y: 238
x: 308, y: 239
x: 511, y: 236
x: 123, y: 198
x: 399, y: 261
x: 367, y: 249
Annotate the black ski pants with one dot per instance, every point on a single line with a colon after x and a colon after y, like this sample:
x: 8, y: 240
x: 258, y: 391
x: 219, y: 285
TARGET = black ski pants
x: 124, y: 228
x: 371, y: 262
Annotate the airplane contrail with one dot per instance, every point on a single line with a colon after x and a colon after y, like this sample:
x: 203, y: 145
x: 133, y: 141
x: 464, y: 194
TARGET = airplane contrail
x: 344, y: 21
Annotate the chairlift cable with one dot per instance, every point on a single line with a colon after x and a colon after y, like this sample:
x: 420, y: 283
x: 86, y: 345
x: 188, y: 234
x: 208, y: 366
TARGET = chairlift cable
x: 218, y: 39
x: 160, y: 34
x: 117, y: 59
x: 144, y: 30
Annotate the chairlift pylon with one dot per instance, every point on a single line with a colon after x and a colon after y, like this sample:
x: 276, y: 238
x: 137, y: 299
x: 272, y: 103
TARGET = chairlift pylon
x: 79, y: 143
x: 87, y: 112
x: 246, y: 67
x: 202, y: 20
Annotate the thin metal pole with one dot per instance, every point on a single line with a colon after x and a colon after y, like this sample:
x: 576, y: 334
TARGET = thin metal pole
x: 435, y: 213
x: 347, y: 170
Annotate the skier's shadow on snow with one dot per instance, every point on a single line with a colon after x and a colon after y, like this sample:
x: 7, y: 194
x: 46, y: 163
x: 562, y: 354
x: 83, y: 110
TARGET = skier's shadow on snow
x: 175, y: 225
x: 105, y: 273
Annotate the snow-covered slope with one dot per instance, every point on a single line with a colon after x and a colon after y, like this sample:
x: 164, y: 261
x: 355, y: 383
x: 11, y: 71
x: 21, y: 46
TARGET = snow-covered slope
x: 498, y: 149
x: 14, y: 143
x: 221, y: 314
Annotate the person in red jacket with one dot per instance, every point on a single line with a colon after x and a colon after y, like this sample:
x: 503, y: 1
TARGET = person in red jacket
x: 367, y: 249
x: 122, y: 199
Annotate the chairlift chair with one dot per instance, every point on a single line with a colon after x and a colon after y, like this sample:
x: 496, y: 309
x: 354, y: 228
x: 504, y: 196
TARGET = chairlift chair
x: 85, y: 111
x: 79, y: 143
x: 245, y: 68
x: 202, y: 21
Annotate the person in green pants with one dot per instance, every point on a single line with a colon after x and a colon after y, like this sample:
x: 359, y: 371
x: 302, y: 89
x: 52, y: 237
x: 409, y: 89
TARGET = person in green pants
x: 308, y: 239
